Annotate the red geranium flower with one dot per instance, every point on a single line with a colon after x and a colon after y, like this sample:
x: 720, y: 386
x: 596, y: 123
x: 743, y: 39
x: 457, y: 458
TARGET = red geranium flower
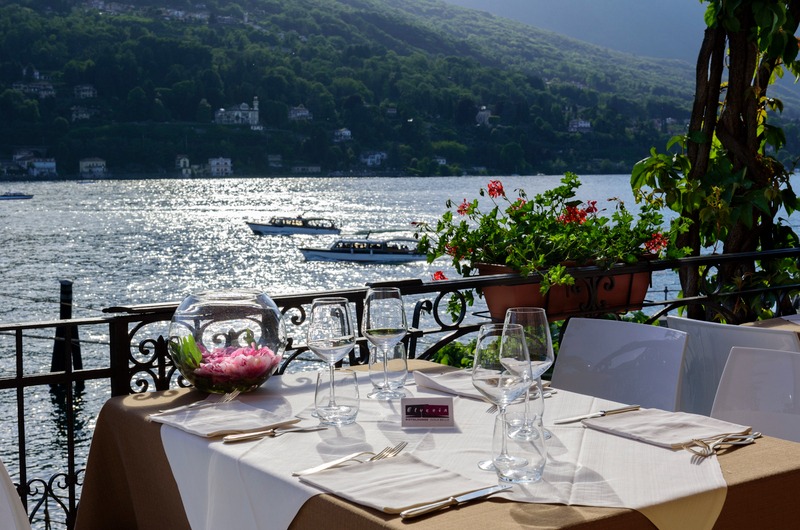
x: 463, y: 208
x: 495, y: 188
x: 438, y: 276
x: 573, y: 215
x: 657, y: 243
x: 519, y: 203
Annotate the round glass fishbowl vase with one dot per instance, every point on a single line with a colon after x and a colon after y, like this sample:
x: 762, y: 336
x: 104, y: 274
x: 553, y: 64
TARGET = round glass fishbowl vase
x: 227, y: 340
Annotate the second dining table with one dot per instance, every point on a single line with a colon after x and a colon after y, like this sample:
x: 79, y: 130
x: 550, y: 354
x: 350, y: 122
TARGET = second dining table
x: 144, y: 475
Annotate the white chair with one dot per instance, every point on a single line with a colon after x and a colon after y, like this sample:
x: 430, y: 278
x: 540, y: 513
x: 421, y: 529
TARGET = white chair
x: 761, y: 388
x: 12, y: 513
x: 707, y: 352
x: 621, y: 361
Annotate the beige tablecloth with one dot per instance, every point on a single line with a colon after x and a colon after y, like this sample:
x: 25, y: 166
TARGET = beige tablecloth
x: 129, y: 485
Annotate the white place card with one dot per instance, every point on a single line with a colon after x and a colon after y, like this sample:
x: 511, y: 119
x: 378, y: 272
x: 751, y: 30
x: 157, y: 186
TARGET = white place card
x: 427, y: 412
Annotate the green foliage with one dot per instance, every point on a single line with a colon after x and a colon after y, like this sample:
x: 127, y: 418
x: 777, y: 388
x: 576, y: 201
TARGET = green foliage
x: 348, y: 62
x: 456, y: 354
x: 186, y: 352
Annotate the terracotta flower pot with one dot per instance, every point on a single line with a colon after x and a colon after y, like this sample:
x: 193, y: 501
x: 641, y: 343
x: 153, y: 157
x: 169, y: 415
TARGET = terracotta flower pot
x: 614, y: 293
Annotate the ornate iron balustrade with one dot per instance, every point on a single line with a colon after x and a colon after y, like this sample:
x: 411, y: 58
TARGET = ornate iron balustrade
x: 133, y: 352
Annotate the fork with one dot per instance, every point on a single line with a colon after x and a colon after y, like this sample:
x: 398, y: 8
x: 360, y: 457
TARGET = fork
x: 705, y: 447
x: 226, y: 398
x: 389, y: 452
x: 386, y: 452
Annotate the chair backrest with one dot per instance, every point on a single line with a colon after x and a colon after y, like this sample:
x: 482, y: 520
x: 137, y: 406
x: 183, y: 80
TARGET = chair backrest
x: 707, y: 352
x: 621, y: 361
x: 761, y: 388
x: 12, y: 513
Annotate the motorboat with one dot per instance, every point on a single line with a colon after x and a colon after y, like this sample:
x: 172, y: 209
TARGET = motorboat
x: 396, y: 250
x: 294, y: 225
x: 14, y: 195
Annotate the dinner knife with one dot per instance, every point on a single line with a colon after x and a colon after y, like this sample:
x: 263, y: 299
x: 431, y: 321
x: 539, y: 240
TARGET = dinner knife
x: 236, y: 437
x: 452, y: 501
x: 598, y: 414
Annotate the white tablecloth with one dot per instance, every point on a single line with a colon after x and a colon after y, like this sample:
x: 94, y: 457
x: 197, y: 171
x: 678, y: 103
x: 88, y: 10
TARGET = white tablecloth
x: 249, y: 485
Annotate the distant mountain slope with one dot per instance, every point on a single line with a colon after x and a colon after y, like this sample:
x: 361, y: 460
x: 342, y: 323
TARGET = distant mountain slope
x: 671, y: 29
x: 549, y: 55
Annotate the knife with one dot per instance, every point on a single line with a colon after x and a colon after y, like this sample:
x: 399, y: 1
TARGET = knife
x: 452, y: 501
x: 596, y: 414
x: 261, y: 432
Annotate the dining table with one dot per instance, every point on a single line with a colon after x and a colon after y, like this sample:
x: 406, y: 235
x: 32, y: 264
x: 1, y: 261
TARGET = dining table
x: 142, y: 474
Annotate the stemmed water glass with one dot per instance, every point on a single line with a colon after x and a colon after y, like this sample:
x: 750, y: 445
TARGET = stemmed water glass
x: 330, y: 336
x: 501, y: 371
x: 540, y: 350
x: 384, y: 325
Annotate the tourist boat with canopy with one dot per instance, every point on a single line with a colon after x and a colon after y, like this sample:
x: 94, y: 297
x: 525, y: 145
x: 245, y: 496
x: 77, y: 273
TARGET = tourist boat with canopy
x: 294, y: 225
x: 365, y: 250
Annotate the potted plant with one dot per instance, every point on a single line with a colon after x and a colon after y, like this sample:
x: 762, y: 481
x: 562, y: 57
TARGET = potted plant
x: 545, y: 234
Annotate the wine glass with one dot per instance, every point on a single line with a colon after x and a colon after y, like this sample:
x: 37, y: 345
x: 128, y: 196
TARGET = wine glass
x: 540, y: 349
x: 330, y: 336
x: 501, y: 371
x: 384, y: 325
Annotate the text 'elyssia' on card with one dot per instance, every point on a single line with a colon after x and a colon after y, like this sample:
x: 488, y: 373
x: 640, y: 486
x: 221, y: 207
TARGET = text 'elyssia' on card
x: 427, y: 412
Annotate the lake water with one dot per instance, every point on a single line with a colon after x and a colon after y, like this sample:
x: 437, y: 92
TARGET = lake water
x: 155, y: 240
x: 142, y: 241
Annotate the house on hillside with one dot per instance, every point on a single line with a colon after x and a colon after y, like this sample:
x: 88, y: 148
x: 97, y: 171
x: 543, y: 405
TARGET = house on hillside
x: 84, y: 91
x: 373, y: 158
x: 241, y: 114
x: 79, y: 112
x: 342, y: 135
x: 40, y: 89
x: 92, y: 167
x: 220, y: 167
x: 41, y: 167
x: 182, y: 164
x: 300, y: 113
x: 483, y: 116
x: 580, y: 126
x: 306, y: 170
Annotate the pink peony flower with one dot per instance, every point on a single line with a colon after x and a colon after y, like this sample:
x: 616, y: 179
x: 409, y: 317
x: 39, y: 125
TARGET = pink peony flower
x: 231, y: 364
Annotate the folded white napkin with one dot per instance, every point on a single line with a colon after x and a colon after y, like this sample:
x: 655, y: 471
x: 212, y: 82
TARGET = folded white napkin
x: 458, y: 383
x: 217, y: 420
x: 662, y: 428
x: 394, y: 484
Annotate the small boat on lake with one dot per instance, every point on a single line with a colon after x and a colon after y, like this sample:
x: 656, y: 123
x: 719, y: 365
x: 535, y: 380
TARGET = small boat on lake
x: 396, y: 250
x: 294, y: 225
x: 14, y: 195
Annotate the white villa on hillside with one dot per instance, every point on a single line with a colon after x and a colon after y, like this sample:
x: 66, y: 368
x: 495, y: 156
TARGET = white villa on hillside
x: 220, y: 167
x: 299, y: 113
x: 241, y: 114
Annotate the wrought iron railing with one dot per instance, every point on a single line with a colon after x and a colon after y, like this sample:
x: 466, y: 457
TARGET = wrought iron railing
x: 129, y: 355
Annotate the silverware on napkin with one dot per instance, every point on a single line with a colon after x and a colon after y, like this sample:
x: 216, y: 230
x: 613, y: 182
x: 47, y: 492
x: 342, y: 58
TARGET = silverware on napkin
x: 598, y: 414
x: 452, y: 501
x: 276, y: 429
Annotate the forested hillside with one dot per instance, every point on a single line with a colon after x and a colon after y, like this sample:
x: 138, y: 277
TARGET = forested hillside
x: 422, y: 86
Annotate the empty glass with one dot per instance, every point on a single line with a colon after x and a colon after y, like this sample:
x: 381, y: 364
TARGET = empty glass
x: 501, y: 371
x: 540, y: 350
x: 344, y: 409
x: 330, y: 336
x: 517, y: 456
x: 384, y: 325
